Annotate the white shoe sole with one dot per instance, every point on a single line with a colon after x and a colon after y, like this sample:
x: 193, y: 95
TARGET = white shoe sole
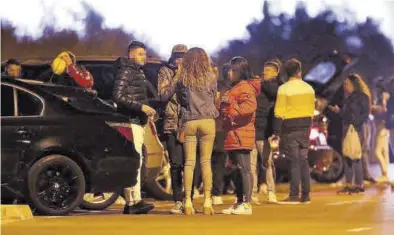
x: 241, y: 213
x: 288, y: 203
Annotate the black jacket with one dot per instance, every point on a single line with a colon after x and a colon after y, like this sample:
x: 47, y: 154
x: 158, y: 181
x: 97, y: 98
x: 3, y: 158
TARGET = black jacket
x: 265, y: 108
x: 355, y: 110
x: 130, y: 90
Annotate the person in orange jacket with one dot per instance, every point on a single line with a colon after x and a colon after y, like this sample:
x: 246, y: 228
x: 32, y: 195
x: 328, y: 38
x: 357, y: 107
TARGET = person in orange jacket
x: 238, y: 112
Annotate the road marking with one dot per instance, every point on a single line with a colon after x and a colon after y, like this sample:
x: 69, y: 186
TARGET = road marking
x: 339, y: 203
x: 356, y: 230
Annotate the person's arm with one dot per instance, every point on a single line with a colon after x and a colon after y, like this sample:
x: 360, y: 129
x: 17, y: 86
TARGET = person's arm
x: 279, y: 110
x: 245, y: 105
x: 166, y: 85
x: 120, y: 94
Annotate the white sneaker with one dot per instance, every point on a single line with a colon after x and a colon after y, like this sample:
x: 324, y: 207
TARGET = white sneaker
x: 230, y: 210
x: 264, y: 188
x: 217, y: 200
x: 177, y: 209
x: 272, y: 197
x: 243, y: 209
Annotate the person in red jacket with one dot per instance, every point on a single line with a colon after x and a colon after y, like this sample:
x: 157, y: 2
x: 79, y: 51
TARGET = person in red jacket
x: 65, y: 62
x: 238, y: 112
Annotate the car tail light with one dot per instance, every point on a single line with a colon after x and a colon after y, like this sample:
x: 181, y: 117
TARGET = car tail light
x: 124, y: 130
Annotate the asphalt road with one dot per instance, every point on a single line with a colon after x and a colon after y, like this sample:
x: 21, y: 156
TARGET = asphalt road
x: 371, y: 213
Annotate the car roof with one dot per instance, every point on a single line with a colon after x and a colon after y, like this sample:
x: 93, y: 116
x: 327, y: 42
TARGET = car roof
x: 93, y: 58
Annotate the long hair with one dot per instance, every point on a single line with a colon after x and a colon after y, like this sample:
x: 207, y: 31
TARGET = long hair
x: 241, y: 69
x: 360, y: 85
x: 196, y: 70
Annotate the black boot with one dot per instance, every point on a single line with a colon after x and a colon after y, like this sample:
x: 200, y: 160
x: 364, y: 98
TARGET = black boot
x: 141, y: 207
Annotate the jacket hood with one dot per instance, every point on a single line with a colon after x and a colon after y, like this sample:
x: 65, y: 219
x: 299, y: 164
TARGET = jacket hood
x: 124, y: 61
x: 256, y: 84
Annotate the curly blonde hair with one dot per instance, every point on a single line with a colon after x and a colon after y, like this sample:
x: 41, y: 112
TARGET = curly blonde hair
x: 196, y: 72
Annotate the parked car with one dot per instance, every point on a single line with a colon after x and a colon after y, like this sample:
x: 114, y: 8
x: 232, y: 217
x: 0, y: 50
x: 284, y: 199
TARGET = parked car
x: 157, y: 181
x: 58, y: 143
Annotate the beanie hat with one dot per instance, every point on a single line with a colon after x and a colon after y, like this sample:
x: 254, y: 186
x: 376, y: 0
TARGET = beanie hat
x: 178, y: 51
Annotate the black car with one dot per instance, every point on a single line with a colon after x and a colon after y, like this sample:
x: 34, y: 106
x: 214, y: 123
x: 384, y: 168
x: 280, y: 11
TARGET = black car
x: 58, y: 143
x: 157, y: 181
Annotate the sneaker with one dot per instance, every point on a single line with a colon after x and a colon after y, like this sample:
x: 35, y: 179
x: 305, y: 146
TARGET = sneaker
x: 345, y: 189
x: 217, y: 200
x: 243, y: 209
x: 357, y: 189
x: 177, y: 209
x: 290, y: 201
x: 230, y: 210
x: 306, y: 200
x: 272, y: 197
x: 140, y: 207
x: 263, y: 189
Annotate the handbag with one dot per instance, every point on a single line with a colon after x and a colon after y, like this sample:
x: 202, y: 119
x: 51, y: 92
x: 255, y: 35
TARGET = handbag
x: 351, y: 146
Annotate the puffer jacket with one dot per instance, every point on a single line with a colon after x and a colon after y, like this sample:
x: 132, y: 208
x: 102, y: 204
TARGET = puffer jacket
x: 130, y: 90
x: 265, y: 108
x: 165, y: 78
x: 238, y: 110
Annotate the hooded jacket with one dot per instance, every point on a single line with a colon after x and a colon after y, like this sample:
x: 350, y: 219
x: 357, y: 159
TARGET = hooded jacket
x: 130, y: 90
x: 238, y: 112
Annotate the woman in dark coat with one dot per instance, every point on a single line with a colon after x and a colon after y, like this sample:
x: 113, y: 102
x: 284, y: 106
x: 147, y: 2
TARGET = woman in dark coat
x: 354, y: 112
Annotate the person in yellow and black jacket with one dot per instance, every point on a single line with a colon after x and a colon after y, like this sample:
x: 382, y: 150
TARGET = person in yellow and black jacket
x: 294, y: 107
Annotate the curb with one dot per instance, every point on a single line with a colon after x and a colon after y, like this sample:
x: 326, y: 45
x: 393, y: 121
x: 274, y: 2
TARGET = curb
x: 10, y: 213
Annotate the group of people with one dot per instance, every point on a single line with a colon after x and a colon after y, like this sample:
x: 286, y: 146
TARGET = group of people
x: 240, y: 115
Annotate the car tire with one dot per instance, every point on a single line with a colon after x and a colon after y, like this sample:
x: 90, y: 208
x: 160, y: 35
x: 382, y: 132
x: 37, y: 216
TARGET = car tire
x: 55, y: 178
x: 107, y: 200
x: 323, y: 172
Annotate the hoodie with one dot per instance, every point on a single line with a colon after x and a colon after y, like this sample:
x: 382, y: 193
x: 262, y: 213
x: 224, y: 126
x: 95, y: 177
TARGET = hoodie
x: 238, y: 112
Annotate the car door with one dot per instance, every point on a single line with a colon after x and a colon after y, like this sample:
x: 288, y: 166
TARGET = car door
x: 20, y: 129
x: 9, y: 152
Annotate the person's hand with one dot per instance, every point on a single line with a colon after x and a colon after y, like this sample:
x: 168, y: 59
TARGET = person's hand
x: 334, y: 108
x: 148, y: 110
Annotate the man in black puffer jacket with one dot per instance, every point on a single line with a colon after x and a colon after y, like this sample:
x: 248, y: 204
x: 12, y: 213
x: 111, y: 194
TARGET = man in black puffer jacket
x: 264, y: 118
x: 130, y: 94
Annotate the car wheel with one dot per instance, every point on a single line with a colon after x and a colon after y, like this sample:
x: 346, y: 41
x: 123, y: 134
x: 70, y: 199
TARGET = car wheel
x: 98, y: 201
x: 56, y: 185
x: 328, y: 166
x: 158, y: 181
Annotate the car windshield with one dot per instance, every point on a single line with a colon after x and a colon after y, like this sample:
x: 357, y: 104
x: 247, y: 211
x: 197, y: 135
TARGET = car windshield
x: 321, y: 73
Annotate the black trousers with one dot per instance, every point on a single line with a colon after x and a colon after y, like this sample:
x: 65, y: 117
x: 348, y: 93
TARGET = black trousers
x: 175, y: 152
x: 244, y: 180
x: 295, y: 146
x: 218, y: 170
